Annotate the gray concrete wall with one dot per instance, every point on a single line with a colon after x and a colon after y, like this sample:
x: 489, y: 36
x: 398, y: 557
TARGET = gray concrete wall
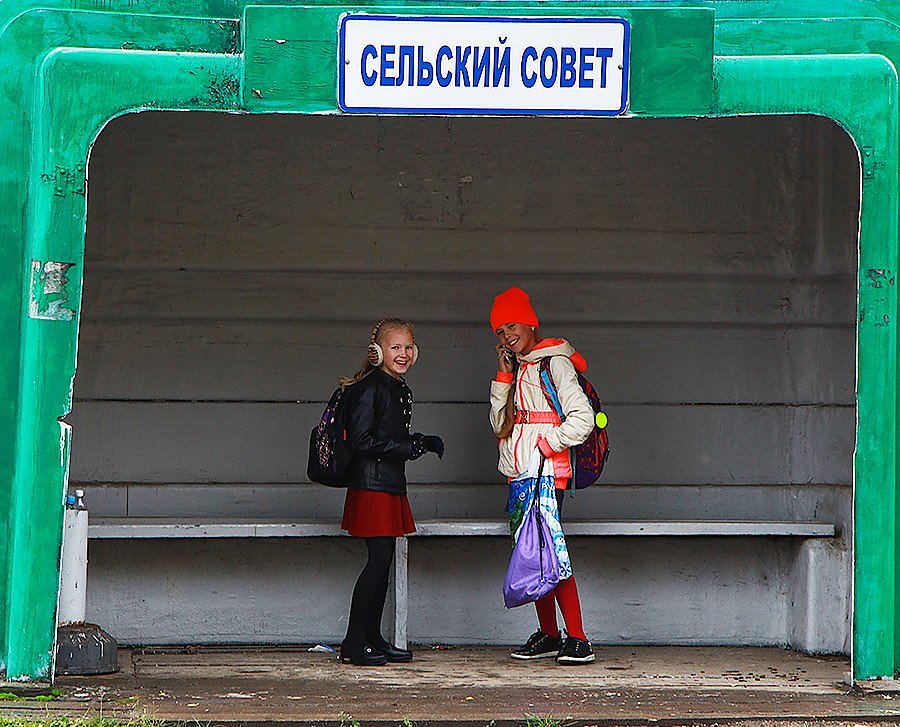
x: 705, y: 268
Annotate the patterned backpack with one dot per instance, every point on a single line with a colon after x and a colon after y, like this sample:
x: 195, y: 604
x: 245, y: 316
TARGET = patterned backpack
x: 329, y: 457
x: 588, y: 457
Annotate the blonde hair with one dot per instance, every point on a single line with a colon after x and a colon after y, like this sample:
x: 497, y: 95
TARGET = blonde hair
x: 381, y: 329
x: 509, y: 409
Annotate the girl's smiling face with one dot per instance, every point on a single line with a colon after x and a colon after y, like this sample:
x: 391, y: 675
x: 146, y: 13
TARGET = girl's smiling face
x: 517, y: 337
x: 397, y: 345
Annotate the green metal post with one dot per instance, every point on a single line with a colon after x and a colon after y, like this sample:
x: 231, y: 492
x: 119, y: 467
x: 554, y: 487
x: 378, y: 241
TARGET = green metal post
x: 105, y: 84
x: 867, y: 109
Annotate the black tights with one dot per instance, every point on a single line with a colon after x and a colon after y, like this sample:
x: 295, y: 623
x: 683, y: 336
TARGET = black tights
x: 369, y: 594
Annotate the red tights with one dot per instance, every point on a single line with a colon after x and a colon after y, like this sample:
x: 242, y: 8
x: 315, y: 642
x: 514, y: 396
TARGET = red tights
x: 566, y: 594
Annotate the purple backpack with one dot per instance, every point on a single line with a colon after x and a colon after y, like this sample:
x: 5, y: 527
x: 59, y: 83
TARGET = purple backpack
x: 533, y: 568
x: 329, y: 456
x: 589, y: 456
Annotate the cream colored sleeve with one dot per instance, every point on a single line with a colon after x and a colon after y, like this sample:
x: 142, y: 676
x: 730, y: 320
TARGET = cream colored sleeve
x: 499, y: 393
x: 575, y: 405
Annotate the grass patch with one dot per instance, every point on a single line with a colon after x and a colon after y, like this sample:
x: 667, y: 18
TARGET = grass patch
x: 81, y: 722
x: 535, y: 720
x: 84, y: 722
x: 12, y: 697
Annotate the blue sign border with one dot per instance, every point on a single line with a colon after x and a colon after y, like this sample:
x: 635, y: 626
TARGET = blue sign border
x: 626, y: 57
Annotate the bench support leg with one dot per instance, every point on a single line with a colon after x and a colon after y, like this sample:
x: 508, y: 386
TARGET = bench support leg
x: 821, y: 575
x: 401, y: 592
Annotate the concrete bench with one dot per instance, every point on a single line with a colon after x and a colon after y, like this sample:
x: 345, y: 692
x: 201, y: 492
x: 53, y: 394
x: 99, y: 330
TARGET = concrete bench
x: 130, y: 528
x: 135, y: 527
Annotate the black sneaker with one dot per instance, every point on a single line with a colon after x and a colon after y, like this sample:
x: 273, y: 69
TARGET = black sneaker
x: 575, y: 651
x: 538, y: 646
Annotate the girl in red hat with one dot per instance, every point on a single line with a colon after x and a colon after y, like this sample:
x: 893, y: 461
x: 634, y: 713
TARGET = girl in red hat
x: 522, y: 419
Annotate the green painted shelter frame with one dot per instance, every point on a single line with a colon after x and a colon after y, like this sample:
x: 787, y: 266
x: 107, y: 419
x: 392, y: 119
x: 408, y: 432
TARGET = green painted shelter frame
x: 71, y: 67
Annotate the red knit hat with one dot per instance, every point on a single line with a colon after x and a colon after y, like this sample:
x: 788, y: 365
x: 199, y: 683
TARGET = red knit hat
x: 513, y: 306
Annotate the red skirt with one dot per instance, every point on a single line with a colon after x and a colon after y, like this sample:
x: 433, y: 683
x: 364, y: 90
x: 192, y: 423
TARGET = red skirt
x: 373, y: 514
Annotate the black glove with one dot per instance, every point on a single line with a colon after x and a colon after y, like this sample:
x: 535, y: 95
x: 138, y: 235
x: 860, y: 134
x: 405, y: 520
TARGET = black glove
x: 417, y: 449
x: 433, y: 443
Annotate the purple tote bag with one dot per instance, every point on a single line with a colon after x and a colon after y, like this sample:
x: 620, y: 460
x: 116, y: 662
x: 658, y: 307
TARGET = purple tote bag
x: 533, y: 569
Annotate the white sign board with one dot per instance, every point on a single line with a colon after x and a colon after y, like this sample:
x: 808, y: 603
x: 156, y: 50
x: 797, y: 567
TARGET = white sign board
x: 483, y: 65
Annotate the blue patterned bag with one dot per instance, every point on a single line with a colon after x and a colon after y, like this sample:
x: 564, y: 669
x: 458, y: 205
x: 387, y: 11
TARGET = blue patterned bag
x: 537, y: 480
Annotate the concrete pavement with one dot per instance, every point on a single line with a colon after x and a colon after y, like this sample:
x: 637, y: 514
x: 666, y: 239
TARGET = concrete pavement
x: 471, y: 686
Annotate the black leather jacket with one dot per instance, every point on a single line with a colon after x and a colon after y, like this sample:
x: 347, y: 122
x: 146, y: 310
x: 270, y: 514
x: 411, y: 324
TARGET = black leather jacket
x: 378, y: 420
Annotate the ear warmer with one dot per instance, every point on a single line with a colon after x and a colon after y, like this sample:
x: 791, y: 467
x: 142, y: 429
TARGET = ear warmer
x: 375, y: 355
x: 513, y: 306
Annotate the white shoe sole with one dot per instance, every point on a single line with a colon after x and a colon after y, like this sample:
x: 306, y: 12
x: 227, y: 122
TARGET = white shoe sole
x: 547, y: 655
x: 575, y: 659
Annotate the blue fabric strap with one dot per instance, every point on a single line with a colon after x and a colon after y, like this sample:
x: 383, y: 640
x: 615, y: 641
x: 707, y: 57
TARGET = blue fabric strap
x: 550, y: 390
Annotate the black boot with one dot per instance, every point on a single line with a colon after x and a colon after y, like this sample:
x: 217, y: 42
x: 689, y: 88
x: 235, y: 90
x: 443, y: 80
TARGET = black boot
x: 364, y: 655
x: 393, y: 653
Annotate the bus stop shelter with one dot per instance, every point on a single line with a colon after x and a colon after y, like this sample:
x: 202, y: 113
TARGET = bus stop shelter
x: 69, y: 71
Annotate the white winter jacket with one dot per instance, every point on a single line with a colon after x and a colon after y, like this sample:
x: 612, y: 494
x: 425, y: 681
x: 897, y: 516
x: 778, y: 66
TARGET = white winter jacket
x: 515, y: 450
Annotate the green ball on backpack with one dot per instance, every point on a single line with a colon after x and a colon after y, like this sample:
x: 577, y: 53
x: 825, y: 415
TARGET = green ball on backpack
x: 601, y: 420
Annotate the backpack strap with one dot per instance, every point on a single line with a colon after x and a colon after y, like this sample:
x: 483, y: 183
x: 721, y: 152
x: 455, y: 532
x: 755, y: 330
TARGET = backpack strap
x: 552, y: 397
x: 549, y: 389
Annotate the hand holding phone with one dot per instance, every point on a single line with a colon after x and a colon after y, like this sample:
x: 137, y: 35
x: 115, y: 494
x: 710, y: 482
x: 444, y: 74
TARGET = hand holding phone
x: 505, y: 358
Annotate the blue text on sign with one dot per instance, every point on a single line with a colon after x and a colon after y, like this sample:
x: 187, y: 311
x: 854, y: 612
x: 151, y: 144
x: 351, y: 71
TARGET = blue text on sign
x: 472, y: 66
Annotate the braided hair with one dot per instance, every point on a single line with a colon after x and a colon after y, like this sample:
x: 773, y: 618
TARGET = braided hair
x: 381, y: 328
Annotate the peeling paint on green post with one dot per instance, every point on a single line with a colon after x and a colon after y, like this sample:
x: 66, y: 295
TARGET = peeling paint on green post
x: 68, y: 70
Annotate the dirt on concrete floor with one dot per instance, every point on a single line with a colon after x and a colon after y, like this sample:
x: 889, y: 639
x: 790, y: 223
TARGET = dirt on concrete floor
x: 472, y: 686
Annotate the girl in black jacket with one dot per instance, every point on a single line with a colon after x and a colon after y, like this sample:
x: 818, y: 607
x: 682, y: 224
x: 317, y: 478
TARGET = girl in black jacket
x: 379, y: 408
